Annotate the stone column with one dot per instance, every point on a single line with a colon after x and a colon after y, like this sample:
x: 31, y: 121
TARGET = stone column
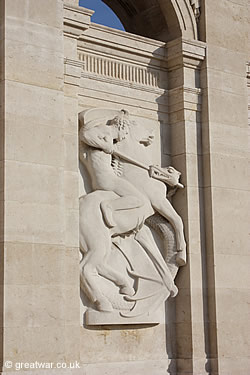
x: 184, y: 62
x: 225, y: 25
x: 75, y: 21
x: 39, y: 277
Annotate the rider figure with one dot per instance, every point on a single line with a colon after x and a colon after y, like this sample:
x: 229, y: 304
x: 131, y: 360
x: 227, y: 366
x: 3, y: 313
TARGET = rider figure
x: 102, y: 139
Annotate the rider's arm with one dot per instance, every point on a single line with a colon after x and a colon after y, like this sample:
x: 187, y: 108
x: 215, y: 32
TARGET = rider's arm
x: 98, y: 137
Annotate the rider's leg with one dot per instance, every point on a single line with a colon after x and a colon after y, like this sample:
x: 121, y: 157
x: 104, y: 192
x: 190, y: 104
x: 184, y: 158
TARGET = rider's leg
x: 130, y: 198
x: 122, y: 203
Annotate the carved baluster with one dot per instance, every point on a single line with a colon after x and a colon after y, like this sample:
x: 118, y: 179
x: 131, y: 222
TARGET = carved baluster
x: 91, y: 64
x: 102, y: 67
x: 95, y: 65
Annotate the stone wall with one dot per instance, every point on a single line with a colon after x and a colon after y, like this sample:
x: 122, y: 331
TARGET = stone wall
x: 40, y: 267
x: 55, y: 63
x: 226, y: 182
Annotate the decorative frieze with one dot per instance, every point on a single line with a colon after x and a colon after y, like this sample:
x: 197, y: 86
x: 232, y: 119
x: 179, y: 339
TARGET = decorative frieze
x: 118, y: 70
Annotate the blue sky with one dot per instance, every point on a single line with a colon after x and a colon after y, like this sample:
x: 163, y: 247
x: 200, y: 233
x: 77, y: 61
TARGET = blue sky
x: 103, y: 14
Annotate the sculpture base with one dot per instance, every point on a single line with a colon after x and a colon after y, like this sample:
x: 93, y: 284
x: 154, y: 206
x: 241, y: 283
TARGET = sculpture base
x: 95, y: 318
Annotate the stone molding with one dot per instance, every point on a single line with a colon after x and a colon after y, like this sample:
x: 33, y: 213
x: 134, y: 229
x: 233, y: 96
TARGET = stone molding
x: 188, y: 97
x: 72, y: 71
x: 124, y: 83
x: 122, y: 41
x: 186, y: 18
x: 76, y: 19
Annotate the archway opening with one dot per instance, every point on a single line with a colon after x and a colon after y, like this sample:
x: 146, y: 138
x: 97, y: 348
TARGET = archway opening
x: 103, y: 15
x: 154, y: 19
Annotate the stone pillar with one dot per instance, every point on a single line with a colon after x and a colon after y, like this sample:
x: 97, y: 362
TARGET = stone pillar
x: 75, y: 20
x: 184, y: 62
x: 39, y: 277
x: 225, y: 26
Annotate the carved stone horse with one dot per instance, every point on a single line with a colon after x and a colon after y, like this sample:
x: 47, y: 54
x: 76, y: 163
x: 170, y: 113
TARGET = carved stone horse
x: 98, y: 245
x: 96, y: 240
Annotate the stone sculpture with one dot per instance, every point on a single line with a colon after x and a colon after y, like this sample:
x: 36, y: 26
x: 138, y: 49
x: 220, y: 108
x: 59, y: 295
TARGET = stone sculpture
x: 195, y: 4
x: 123, y: 272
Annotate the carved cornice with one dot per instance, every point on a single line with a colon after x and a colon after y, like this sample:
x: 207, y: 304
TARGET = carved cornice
x: 76, y: 19
x: 120, y: 41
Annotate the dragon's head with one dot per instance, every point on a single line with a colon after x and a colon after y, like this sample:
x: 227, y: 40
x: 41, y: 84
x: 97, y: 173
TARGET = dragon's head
x: 169, y: 175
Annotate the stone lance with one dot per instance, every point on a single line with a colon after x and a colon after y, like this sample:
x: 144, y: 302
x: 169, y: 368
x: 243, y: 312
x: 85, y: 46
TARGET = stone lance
x: 162, y: 174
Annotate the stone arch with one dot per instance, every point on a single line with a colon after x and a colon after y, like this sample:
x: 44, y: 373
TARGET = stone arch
x: 163, y: 20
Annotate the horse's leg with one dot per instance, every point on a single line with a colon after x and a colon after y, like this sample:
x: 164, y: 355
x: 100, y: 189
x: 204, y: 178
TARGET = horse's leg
x: 109, y: 273
x: 89, y: 281
x: 94, y: 264
x: 96, y: 248
x: 164, y: 207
